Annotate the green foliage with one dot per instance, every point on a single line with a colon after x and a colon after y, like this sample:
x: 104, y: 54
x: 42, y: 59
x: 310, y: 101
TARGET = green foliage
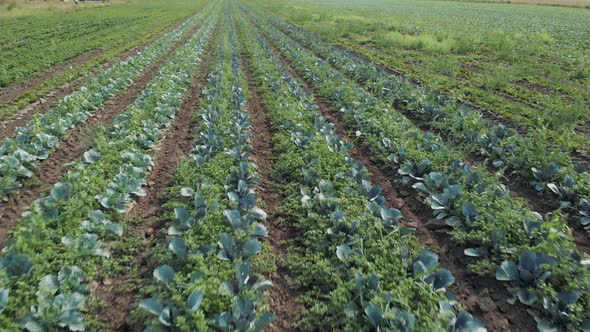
x: 478, y: 207
x: 70, y: 226
x: 39, y: 138
x: 215, y: 251
x: 509, y: 60
x: 30, y: 53
x: 345, y: 230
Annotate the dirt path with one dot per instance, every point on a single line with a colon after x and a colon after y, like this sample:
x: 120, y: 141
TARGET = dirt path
x: 483, y: 297
x: 72, y: 146
x: 120, y: 291
x: 283, y: 297
x: 22, y: 117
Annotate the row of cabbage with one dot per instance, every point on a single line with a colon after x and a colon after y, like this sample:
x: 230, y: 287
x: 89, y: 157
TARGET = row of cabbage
x: 535, y: 255
x: 73, y: 228
x: 359, y: 268
x: 19, y: 155
x: 199, y: 285
x: 547, y: 168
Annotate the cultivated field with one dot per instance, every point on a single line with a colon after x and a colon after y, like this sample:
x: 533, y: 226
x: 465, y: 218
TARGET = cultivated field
x: 294, y: 166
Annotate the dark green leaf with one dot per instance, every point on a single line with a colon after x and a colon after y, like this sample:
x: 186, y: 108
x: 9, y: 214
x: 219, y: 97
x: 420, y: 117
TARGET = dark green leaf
x: 508, y: 271
x: 194, y: 300
x: 152, y: 305
x: 165, y: 274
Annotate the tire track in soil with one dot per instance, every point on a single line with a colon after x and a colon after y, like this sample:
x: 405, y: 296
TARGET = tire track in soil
x: 282, y: 297
x: 73, y: 145
x: 120, y: 291
x: 484, y: 297
x: 45, y: 103
x: 535, y: 202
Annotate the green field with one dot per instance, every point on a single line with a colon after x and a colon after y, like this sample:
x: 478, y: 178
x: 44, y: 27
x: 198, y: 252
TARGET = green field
x: 289, y: 165
x: 29, y: 44
x: 34, y: 39
x: 528, y: 63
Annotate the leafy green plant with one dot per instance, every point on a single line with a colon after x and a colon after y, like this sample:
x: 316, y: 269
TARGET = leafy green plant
x: 15, y: 265
x: 414, y: 172
x: 59, y: 301
x: 532, y: 269
x: 543, y: 176
x: 168, y: 313
x: 560, y: 312
x: 425, y: 267
x: 85, y: 245
x: 97, y: 222
x: 565, y: 191
x: 185, y: 219
x: 20, y: 155
x: 69, y: 212
x: 464, y: 322
x: 444, y: 204
x: 432, y: 183
x: 4, y: 298
x: 243, y: 317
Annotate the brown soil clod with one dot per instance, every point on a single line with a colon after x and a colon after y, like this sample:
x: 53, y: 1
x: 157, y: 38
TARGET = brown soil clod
x: 72, y: 146
x: 177, y: 143
x: 483, y: 297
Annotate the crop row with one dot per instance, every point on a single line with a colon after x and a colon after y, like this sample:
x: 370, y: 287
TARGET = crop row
x: 73, y: 228
x: 358, y: 267
x: 200, y: 285
x: 547, y: 168
x: 19, y: 156
x: 535, y: 255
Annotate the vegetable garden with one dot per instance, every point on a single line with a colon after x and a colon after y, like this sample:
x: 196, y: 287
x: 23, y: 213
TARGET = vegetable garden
x: 240, y: 173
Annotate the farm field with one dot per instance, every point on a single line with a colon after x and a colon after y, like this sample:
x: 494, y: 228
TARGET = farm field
x: 47, y: 49
x: 527, y: 65
x: 254, y: 165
